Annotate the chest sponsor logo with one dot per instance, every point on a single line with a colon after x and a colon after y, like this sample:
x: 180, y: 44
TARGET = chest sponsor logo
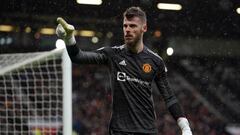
x: 123, y: 77
x: 147, y: 68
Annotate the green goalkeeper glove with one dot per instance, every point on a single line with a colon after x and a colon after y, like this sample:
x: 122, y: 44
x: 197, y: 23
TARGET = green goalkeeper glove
x: 65, y: 31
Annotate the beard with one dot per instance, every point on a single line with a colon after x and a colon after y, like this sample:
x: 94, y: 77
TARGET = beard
x: 132, y: 41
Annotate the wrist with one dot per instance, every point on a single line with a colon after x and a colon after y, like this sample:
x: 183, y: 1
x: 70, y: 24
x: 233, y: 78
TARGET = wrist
x: 70, y: 40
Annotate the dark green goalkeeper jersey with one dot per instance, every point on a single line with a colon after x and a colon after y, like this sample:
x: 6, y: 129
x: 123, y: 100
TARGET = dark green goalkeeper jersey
x: 131, y: 83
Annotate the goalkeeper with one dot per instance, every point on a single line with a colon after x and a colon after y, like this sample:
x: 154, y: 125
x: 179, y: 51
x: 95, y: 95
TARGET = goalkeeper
x: 133, y: 67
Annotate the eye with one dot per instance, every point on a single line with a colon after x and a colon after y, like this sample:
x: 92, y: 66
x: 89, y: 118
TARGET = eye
x: 132, y: 25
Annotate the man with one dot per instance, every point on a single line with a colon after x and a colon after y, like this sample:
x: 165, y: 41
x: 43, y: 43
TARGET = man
x: 133, y: 67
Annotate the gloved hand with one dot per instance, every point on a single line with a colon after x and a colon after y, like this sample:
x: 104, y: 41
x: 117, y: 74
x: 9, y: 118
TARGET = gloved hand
x: 65, y: 31
x: 184, y: 126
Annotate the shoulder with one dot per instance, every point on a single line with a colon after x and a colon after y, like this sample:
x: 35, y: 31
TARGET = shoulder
x: 111, y: 50
x: 153, y: 55
x: 158, y: 59
x: 118, y: 48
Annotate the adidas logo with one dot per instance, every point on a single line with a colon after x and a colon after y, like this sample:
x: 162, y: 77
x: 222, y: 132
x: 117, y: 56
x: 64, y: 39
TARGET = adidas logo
x: 123, y: 62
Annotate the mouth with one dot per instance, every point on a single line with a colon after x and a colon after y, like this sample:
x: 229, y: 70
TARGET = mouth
x: 128, y: 37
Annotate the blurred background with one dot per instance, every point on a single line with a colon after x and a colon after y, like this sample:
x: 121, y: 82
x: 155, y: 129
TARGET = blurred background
x: 199, y: 41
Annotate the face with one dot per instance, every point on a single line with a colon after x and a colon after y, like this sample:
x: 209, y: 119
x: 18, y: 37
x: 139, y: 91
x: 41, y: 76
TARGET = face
x: 133, y: 29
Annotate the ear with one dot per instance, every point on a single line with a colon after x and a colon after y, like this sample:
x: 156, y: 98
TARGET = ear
x: 144, y: 28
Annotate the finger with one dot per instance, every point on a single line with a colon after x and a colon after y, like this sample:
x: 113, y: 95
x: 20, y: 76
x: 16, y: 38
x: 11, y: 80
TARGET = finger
x: 61, y: 21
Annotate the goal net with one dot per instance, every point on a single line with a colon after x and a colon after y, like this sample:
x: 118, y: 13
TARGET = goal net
x: 35, y: 93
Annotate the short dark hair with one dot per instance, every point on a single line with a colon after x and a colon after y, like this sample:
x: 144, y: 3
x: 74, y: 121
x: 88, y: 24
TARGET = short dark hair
x: 135, y: 12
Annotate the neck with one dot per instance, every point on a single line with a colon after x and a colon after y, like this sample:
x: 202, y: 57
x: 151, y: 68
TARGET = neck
x: 137, y: 48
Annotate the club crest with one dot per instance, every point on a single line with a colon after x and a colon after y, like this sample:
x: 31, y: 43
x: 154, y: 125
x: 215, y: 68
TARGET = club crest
x: 147, y: 68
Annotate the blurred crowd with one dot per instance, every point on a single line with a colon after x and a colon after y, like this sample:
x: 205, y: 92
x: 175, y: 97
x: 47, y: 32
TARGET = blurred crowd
x: 92, y: 105
x: 217, y: 79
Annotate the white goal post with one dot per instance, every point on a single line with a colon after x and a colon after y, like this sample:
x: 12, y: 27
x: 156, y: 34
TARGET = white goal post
x: 36, y: 93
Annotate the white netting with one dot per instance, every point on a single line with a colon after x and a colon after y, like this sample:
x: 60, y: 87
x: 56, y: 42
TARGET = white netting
x: 31, y: 95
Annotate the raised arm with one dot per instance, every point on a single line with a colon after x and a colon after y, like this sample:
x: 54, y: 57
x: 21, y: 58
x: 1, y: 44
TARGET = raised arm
x: 66, y: 32
x: 171, y: 100
x: 83, y: 57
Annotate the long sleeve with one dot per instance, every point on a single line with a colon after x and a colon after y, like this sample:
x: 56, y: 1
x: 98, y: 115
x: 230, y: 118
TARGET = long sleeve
x: 84, y: 57
x: 168, y: 95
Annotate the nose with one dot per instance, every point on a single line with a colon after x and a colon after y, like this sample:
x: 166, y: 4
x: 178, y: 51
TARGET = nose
x: 127, y: 28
